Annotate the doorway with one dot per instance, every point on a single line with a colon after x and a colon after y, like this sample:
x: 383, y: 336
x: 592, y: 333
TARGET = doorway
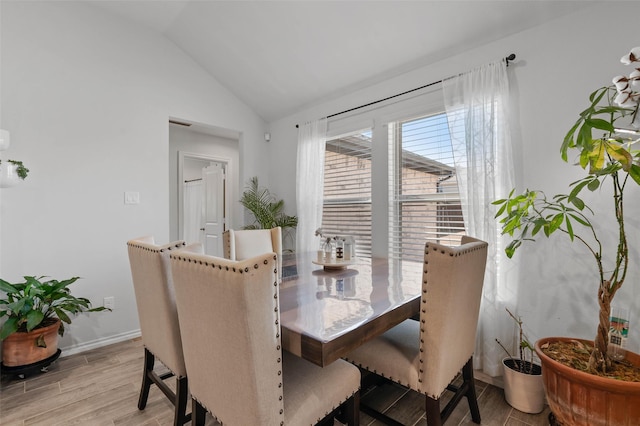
x: 203, y: 200
x: 192, y: 147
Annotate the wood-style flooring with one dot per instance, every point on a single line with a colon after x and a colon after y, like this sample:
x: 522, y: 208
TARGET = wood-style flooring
x: 101, y: 386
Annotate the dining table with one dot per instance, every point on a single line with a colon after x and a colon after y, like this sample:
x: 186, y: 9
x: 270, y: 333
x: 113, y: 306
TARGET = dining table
x: 327, y: 311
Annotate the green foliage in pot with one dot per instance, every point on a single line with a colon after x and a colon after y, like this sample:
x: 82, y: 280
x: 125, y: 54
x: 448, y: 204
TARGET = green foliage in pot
x: 524, y: 364
x: 610, y: 162
x: 267, y: 211
x: 21, y: 170
x: 37, y: 302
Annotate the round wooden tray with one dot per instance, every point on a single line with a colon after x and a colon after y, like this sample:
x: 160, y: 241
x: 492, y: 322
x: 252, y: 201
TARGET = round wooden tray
x: 335, y: 264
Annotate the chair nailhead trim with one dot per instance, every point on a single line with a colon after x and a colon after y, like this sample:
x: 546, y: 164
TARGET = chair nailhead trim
x: 275, y: 309
x: 154, y: 249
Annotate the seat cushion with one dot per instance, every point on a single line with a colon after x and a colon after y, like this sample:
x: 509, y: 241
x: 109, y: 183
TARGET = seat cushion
x: 400, y: 344
x: 311, y: 392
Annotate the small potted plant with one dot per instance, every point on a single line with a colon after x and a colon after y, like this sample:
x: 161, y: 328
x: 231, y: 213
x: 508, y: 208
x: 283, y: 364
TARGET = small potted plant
x: 267, y: 211
x: 34, y: 311
x: 604, y: 141
x: 11, y: 172
x: 523, y: 388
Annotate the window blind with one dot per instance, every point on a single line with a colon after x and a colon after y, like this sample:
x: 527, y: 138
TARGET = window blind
x: 424, y: 200
x: 347, y: 189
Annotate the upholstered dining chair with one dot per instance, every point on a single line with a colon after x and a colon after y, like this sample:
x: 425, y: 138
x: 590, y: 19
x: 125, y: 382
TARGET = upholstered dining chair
x: 245, y: 243
x: 427, y: 355
x: 230, y: 322
x: 153, y: 286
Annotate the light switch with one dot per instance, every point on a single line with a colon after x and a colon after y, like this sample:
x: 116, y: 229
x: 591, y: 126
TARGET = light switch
x: 132, y: 197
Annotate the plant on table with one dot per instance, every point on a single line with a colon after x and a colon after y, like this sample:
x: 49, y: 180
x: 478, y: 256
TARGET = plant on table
x: 609, y: 159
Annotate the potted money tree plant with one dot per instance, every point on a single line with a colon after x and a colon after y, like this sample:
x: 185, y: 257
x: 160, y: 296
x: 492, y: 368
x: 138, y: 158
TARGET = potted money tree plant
x: 595, y: 389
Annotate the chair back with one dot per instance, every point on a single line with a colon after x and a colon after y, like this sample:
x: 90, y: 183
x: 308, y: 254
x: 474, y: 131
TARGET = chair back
x: 246, y: 243
x: 153, y: 286
x: 452, y: 290
x: 230, y: 324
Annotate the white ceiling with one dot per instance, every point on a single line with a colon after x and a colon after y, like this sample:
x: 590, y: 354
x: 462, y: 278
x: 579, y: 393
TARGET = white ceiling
x: 279, y: 56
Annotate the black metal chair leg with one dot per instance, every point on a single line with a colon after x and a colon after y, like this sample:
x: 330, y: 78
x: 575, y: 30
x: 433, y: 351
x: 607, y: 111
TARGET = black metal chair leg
x: 182, y: 392
x: 432, y: 409
x: 352, y: 410
x: 198, y: 413
x: 472, y: 399
x: 149, y: 361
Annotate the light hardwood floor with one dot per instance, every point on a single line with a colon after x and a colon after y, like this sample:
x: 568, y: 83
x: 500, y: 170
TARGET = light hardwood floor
x: 101, y: 386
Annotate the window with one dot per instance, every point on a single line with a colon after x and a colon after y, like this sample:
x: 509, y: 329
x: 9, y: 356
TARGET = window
x: 424, y: 200
x: 347, y: 189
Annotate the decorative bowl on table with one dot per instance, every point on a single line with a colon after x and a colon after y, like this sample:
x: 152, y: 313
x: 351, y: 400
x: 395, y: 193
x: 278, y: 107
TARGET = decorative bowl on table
x: 334, y: 263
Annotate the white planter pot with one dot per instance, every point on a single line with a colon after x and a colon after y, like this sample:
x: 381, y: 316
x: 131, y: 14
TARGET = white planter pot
x: 8, y: 174
x: 524, y: 392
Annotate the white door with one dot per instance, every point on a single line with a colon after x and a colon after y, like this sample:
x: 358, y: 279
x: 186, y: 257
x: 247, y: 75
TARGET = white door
x: 213, y: 178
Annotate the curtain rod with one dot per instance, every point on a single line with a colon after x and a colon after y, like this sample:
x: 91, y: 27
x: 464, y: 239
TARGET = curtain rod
x: 511, y: 57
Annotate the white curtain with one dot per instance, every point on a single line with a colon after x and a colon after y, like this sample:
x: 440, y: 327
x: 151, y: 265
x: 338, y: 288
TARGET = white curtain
x: 310, y: 183
x: 477, y: 104
x: 193, y: 212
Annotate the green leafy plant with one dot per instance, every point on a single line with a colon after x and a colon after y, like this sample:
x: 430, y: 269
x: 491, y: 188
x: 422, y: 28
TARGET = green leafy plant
x: 268, y: 212
x: 21, y: 170
x: 523, y: 364
x: 36, y: 303
x: 608, y: 158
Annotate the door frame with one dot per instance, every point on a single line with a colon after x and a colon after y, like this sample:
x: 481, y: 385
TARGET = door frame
x: 228, y: 189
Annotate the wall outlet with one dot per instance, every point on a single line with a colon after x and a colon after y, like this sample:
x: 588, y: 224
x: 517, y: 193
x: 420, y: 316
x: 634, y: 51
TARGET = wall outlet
x: 131, y: 197
x: 109, y: 302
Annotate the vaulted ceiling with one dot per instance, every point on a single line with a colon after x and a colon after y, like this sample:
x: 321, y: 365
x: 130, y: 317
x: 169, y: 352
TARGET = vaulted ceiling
x: 279, y: 56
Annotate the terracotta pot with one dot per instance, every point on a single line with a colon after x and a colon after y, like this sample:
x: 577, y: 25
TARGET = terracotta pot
x: 581, y: 399
x: 21, y: 348
x: 523, y: 391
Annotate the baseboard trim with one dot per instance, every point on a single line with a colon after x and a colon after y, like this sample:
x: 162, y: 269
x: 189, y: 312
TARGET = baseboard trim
x: 483, y: 377
x: 98, y: 343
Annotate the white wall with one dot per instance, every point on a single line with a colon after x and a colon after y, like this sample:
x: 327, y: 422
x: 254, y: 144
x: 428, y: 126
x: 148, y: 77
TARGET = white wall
x: 558, y: 65
x: 87, y: 98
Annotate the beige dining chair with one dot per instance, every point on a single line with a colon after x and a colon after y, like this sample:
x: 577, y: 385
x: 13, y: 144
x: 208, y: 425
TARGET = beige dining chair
x: 230, y: 322
x: 245, y: 243
x: 153, y: 286
x: 427, y: 355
